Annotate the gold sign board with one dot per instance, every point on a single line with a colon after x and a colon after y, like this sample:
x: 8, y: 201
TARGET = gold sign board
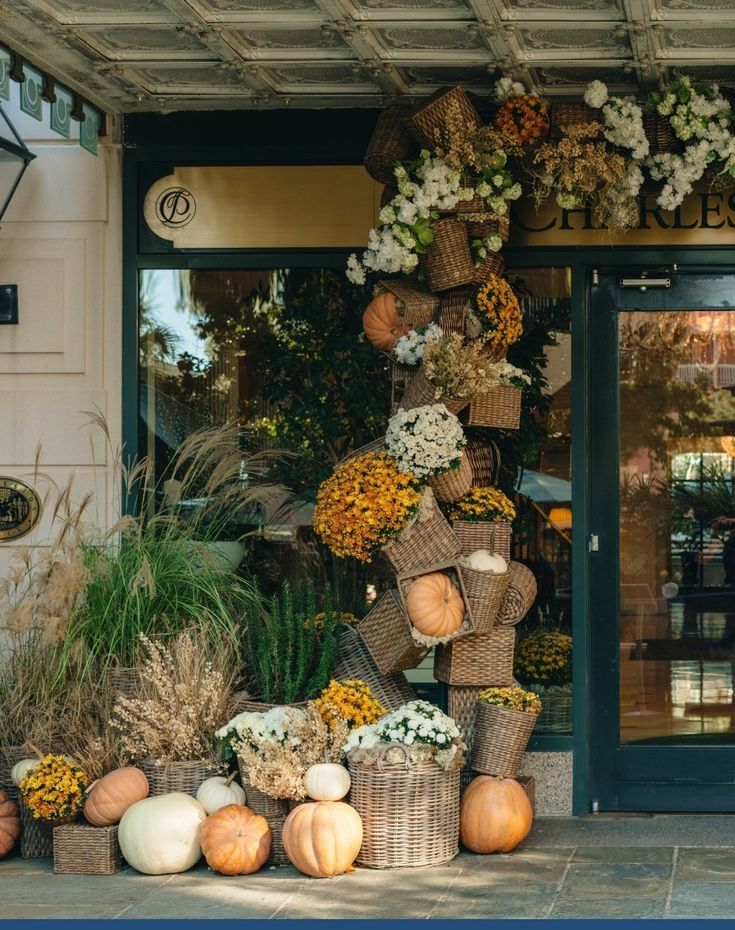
x: 20, y: 508
x: 334, y: 206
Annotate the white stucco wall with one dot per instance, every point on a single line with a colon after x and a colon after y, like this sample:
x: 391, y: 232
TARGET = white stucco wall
x: 61, y: 243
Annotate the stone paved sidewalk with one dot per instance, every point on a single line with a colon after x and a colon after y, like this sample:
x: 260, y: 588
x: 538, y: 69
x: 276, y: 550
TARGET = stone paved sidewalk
x: 584, y: 867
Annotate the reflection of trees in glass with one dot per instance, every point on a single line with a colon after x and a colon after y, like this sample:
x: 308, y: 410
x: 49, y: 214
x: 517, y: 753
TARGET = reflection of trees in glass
x: 707, y: 503
x: 157, y: 343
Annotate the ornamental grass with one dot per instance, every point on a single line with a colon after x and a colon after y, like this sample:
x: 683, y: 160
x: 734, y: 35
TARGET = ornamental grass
x: 483, y: 504
x: 499, y: 313
x: 512, y: 699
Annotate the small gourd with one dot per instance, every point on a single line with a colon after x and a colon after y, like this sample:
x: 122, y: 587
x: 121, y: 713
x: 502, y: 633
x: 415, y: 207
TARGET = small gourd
x: 434, y: 605
x: 220, y: 791
x: 327, y: 781
x: 495, y: 815
x: 9, y: 824
x: 236, y: 841
x: 483, y: 560
x: 109, y: 798
x: 21, y: 769
x: 381, y: 322
x: 160, y: 835
x: 323, y: 838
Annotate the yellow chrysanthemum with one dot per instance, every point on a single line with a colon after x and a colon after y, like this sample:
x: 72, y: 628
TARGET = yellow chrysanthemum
x: 499, y: 313
x: 483, y: 504
x: 351, y: 701
x: 54, y: 789
x: 512, y: 698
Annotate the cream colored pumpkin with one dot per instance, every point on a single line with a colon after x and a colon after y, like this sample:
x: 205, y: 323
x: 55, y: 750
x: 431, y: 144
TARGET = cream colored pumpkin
x: 483, y: 560
x: 327, y: 782
x: 495, y: 815
x: 434, y: 605
x: 323, y: 838
x: 219, y: 791
x: 160, y: 835
x: 21, y: 769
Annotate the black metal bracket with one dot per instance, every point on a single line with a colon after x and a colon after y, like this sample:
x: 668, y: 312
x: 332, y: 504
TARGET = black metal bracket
x: 8, y: 303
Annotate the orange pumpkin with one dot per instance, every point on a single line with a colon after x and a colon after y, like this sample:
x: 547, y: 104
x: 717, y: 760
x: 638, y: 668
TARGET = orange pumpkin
x: 434, y: 605
x: 495, y: 815
x: 9, y: 823
x: 112, y: 795
x: 323, y: 838
x: 235, y: 841
x: 381, y: 322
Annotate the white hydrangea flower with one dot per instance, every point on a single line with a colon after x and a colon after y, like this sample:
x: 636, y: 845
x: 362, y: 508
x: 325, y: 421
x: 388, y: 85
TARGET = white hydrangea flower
x: 596, y: 94
x: 506, y: 87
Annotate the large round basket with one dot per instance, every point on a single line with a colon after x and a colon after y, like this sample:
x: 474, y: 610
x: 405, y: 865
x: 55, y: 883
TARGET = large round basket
x: 500, y: 408
x: 447, y: 262
x: 391, y: 141
x: 354, y: 661
x: 409, y: 811
x: 453, y: 484
x: 177, y: 776
x: 485, y: 593
x: 520, y: 595
x: 420, y: 391
x: 427, y: 540
x: 484, y: 534
x: 275, y: 811
x: 500, y: 739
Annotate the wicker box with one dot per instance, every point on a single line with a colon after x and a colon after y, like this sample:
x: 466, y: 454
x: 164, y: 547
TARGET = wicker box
x: 81, y: 849
x: 176, y: 776
x: 386, y: 632
x: 500, y: 408
x: 406, y: 579
x: 355, y: 661
x: 428, y: 539
x: 452, y: 484
x: 519, y: 596
x: 36, y: 841
x: 482, y: 659
x: 431, y: 118
x: 500, y: 740
x: 447, y: 262
x: 473, y: 535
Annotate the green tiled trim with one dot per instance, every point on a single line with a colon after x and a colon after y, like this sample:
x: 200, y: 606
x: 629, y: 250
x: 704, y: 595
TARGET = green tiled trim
x: 4, y: 75
x: 30, y: 93
x: 61, y: 112
x: 89, y: 129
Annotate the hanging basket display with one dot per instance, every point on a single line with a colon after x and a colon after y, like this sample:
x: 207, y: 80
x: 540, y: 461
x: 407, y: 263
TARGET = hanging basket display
x: 428, y: 539
x: 454, y: 483
x: 500, y: 408
x: 354, y: 661
x: 484, y: 534
x: 386, y: 632
x: 432, y: 118
x: 447, y: 262
x: 390, y: 142
x: 500, y: 739
x: 482, y: 659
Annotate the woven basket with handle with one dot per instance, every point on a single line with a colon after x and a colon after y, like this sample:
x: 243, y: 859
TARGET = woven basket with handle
x: 386, y: 632
x: 500, y: 740
x: 409, y: 811
x: 426, y: 540
x: 482, y: 659
x: 391, y: 141
x: 519, y: 596
x: 500, y: 408
x: 474, y: 535
x: 355, y: 661
x: 447, y: 262
x: 81, y: 849
x: 453, y: 484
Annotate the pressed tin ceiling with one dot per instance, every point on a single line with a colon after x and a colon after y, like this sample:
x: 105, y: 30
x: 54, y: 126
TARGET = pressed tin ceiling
x: 136, y: 55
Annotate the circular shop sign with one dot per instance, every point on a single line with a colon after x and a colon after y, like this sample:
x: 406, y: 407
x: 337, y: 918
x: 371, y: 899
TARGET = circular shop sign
x: 175, y: 207
x: 20, y: 508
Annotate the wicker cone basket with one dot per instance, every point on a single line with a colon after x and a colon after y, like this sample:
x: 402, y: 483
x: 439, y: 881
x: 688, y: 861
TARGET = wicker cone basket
x: 474, y: 535
x: 386, y: 632
x: 500, y: 408
x: 661, y: 137
x: 453, y: 310
x: 453, y: 484
x: 425, y: 541
x: 354, y: 661
x: 415, y: 306
x: 447, y: 262
x: 501, y: 737
x: 275, y: 811
x: 421, y: 391
x: 431, y: 118
x: 569, y: 114
x: 520, y: 595
x: 409, y: 811
x: 483, y: 659
x: 35, y: 841
x: 485, y: 592
x: 176, y: 776
x: 81, y: 849
x: 390, y: 142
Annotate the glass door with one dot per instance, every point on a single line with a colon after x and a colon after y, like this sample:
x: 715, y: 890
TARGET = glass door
x: 662, y: 544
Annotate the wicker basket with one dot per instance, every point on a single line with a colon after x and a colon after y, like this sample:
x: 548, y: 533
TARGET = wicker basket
x: 10, y: 756
x: 275, y: 811
x: 409, y: 811
x: 354, y: 661
x: 462, y: 708
x: 420, y: 391
x: 35, y: 841
x: 387, y: 194
x: 564, y: 114
x: 474, y: 205
x: 484, y: 535
x: 482, y: 659
x: 485, y: 593
x: 492, y: 226
x: 501, y: 737
x: 453, y: 484
x: 492, y: 263
x: 520, y: 595
x: 176, y: 776
x: 661, y: 137
x: 425, y: 541
x: 400, y: 378
x: 556, y: 709
x: 81, y: 849
x: 406, y: 579
x: 500, y: 408
x: 485, y: 461
x: 454, y: 309
x: 124, y: 681
x: 386, y: 632
x: 430, y: 119
x: 447, y: 262
x: 390, y: 142
x: 415, y: 306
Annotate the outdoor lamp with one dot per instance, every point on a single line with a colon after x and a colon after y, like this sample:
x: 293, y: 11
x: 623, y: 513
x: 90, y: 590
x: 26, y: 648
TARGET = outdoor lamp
x: 561, y: 517
x: 14, y: 159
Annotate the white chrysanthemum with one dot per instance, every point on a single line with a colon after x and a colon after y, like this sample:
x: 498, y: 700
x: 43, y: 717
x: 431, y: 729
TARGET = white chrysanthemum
x: 425, y: 440
x: 596, y: 94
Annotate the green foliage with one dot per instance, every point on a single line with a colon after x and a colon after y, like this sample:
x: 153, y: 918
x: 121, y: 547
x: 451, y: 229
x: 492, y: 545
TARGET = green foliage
x: 290, y: 658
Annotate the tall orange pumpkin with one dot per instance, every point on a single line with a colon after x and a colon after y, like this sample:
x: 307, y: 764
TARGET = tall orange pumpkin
x: 9, y: 823
x: 434, y: 605
x: 113, y: 794
x: 381, y: 322
x: 323, y: 838
x: 495, y: 815
x: 235, y: 841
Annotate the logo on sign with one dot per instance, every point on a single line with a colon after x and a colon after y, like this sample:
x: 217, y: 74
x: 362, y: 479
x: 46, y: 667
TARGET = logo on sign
x: 176, y: 207
x: 20, y: 508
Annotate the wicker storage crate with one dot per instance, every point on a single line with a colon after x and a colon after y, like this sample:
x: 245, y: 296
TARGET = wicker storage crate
x: 425, y: 541
x: 406, y: 579
x: 564, y: 114
x: 485, y: 593
x: 420, y: 391
x: 453, y: 484
x: 492, y: 263
x: 409, y: 811
x: 482, y: 659
x: 391, y: 141
x: 519, y: 596
x: 415, y: 306
x: 484, y: 534
x: 36, y: 840
x: 454, y: 308
x: 176, y: 776
x: 661, y: 137
x: 556, y: 708
x: 386, y: 632
x: 501, y: 737
x: 81, y: 849
x: 431, y: 118
x: 355, y: 661
x: 500, y: 408
x: 275, y: 811
x: 447, y: 262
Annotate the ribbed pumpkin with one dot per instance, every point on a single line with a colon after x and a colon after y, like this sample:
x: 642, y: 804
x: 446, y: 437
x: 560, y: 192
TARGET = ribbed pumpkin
x: 495, y: 815
x: 327, y: 781
x: 434, y: 605
x: 219, y: 791
x: 235, y: 841
x: 381, y: 322
x: 323, y: 838
x: 113, y: 794
x: 9, y: 824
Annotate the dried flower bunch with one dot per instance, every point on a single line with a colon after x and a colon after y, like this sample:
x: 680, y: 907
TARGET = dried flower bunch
x: 366, y: 501
x: 54, y: 791
x: 523, y: 120
x: 511, y: 698
x: 499, y: 313
x: 483, y: 504
x: 426, y: 440
x: 184, y: 699
x: 351, y: 702
x: 544, y: 658
x: 458, y: 369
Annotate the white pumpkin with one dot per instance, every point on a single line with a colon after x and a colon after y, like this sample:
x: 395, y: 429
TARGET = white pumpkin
x: 327, y: 782
x: 483, y: 560
x: 160, y: 835
x: 21, y: 769
x: 219, y: 791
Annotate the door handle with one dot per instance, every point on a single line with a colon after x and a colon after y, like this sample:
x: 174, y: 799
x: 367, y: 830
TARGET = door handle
x: 593, y: 543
